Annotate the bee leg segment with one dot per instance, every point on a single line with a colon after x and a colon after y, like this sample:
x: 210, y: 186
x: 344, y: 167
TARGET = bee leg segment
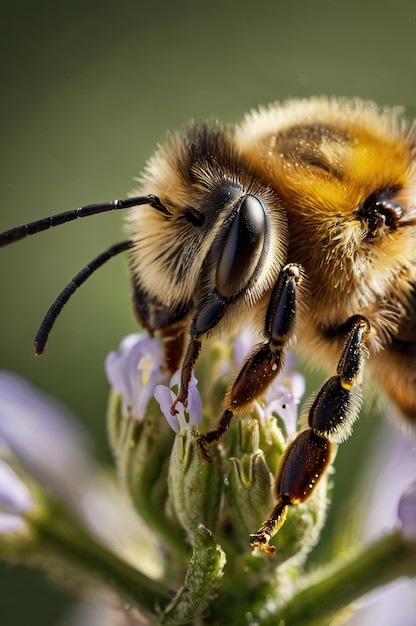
x: 301, y: 467
x: 330, y: 420
x: 338, y: 402
x: 265, y: 363
x: 191, y: 356
x: 205, y: 320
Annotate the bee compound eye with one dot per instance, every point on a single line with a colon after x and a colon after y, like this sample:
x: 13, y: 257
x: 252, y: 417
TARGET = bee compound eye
x: 243, y: 247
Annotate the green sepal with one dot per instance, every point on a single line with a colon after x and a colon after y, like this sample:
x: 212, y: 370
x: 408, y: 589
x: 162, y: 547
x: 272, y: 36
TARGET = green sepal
x: 249, y: 493
x: 195, y: 487
x: 271, y: 441
x: 116, y: 422
x: 142, y: 449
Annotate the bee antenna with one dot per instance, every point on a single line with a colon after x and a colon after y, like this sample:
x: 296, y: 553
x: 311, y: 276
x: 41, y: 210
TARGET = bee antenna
x: 20, y: 232
x: 57, y: 306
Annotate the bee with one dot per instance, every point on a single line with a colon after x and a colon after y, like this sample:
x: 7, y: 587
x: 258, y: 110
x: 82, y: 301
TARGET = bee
x: 301, y: 221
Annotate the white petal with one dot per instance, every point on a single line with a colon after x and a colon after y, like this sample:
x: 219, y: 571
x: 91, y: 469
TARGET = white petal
x: 12, y: 524
x: 14, y: 494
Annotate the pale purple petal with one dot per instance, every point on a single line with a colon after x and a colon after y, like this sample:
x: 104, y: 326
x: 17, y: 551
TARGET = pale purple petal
x: 134, y: 370
x: 15, y: 497
x: 390, y: 605
x: 185, y: 417
x: 287, y: 410
x: 284, y: 396
x: 194, y: 402
x: 44, y: 436
x: 387, y: 475
x: 407, y: 513
x: 165, y: 398
x: 243, y: 345
x: 389, y: 471
x: 12, y: 524
x: 117, y: 365
x: 182, y: 418
x: 175, y: 381
x: 298, y: 385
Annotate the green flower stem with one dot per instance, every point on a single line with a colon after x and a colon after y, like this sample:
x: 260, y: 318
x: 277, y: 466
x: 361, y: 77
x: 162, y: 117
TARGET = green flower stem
x: 59, y: 535
x: 332, y: 589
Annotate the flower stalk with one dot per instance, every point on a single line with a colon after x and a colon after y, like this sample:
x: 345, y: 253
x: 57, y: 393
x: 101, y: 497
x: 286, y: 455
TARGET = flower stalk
x: 325, y: 593
x: 58, y: 536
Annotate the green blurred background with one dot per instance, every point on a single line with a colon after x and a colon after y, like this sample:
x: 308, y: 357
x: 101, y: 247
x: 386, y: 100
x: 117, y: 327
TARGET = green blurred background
x: 88, y: 89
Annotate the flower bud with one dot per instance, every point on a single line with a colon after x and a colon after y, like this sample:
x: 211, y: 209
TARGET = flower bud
x: 251, y: 490
x: 194, y: 486
x: 249, y: 493
x: 271, y: 441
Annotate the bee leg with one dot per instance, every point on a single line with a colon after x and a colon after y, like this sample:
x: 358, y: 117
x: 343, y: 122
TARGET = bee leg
x: 331, y: 416
x: 173, y: 345
x: 265, y: 363
x: 206, y: 318
x: 188, y: 365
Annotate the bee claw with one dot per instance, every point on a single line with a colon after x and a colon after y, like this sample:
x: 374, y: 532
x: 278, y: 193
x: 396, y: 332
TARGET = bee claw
x: 202, y: 449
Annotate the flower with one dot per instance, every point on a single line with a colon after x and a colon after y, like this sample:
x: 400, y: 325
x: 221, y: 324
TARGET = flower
x: 50, y: 445
x: 285, y: 394
x: 11, y: 523
x: 14, y: 495
x: 407, y: 512
x: 15, y: 500
x: 134, y: 370
x: 389, y: 501
x: 243, y: 345
x: 44, y: 436
x: 185, y: 417
x: 390, y: 471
